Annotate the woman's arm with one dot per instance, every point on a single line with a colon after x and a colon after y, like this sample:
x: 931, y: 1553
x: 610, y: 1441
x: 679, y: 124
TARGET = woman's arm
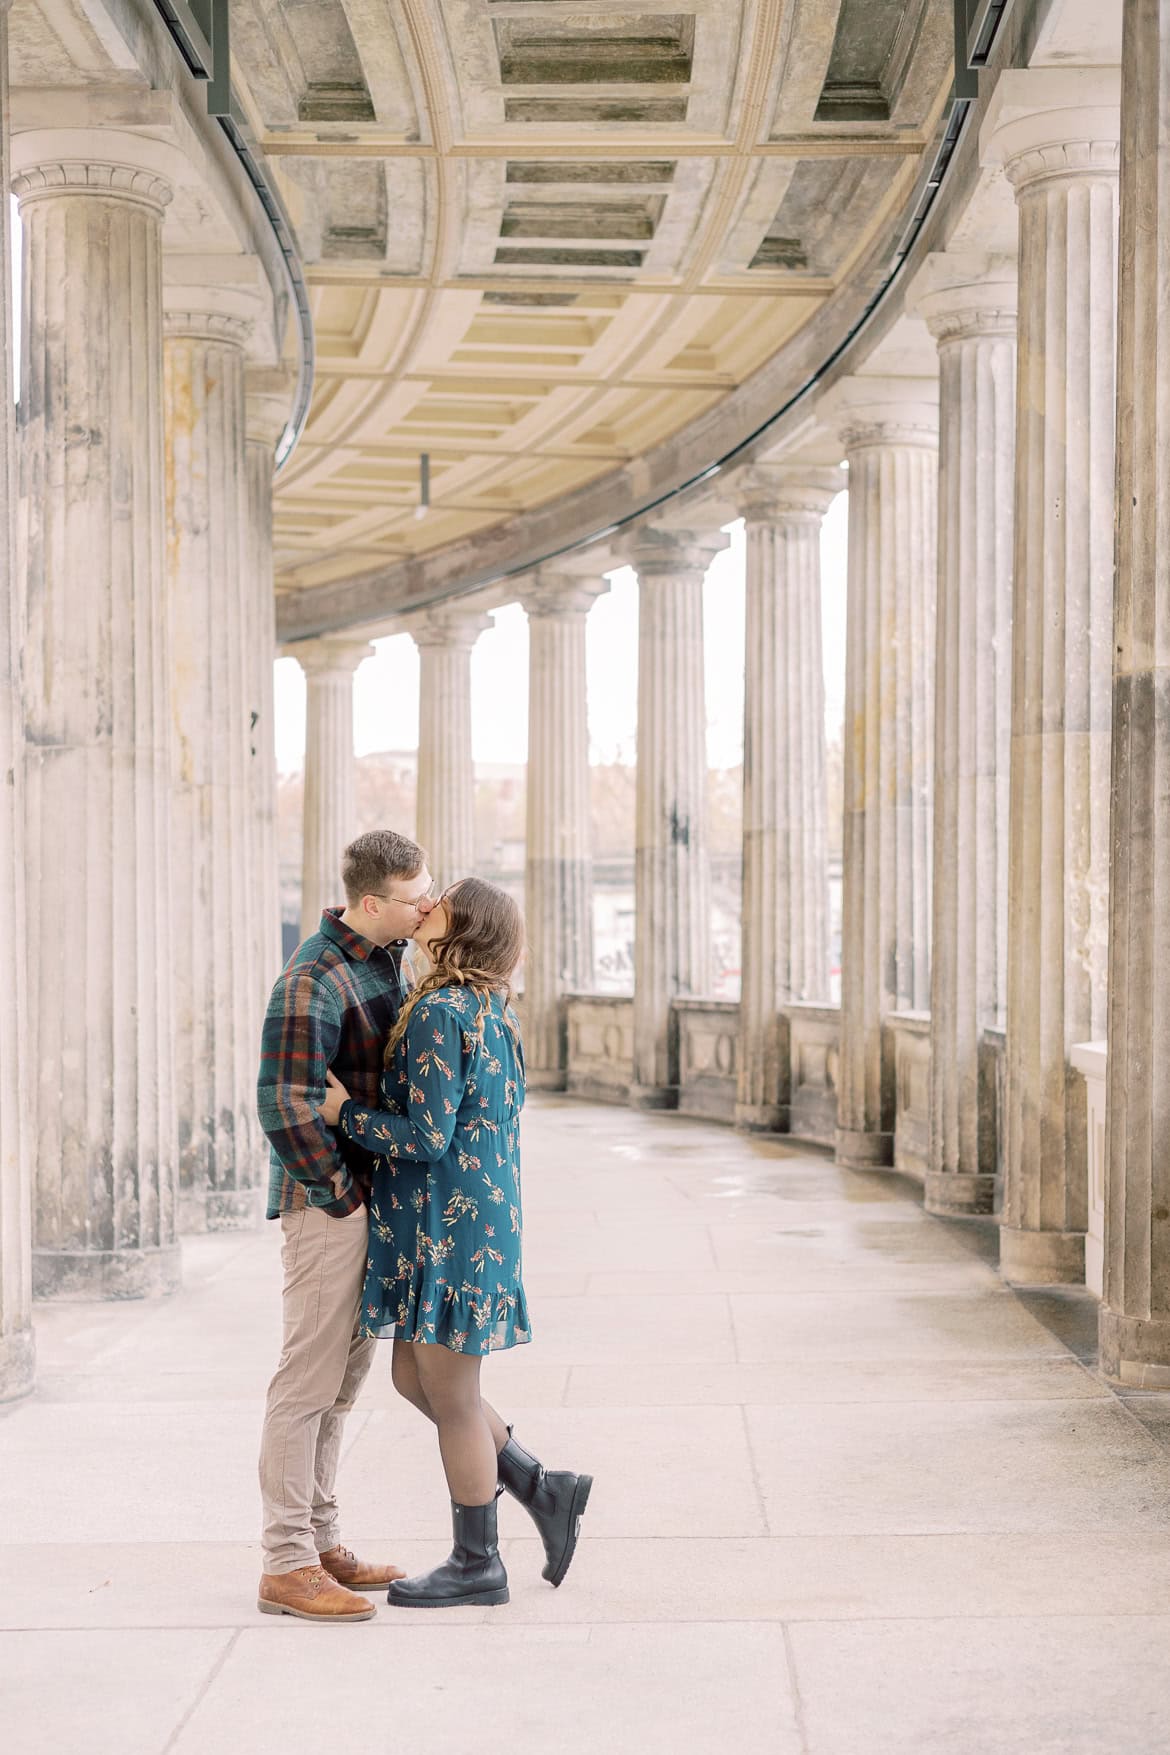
x: 436, y: 1065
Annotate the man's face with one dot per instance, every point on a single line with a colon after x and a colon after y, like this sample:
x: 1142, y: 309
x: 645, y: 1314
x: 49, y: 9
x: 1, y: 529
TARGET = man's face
x: 400, y: 910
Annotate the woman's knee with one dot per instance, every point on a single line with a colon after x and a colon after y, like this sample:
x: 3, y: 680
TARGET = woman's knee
x: 404, y: 1372
x: 450, y: 1381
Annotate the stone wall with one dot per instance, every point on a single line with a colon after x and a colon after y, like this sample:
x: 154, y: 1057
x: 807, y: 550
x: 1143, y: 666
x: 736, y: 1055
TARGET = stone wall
x: 911, y: 1033
x: 814, y: 1035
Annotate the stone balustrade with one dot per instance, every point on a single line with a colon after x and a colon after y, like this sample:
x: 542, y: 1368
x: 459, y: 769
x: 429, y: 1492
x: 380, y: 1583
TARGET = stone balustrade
x: 601, y: 1046
x: 707, y: 1030
x: 814, y: 1050
x: 1090, y: 1060
x: 911, y: 1034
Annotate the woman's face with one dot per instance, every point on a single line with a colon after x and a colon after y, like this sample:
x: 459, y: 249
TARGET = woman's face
x: 432, y: 926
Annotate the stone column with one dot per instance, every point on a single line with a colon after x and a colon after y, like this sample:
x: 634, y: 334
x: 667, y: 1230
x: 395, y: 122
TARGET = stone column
x: 446, y: 778
x: 17, y: 1352
x: 330, y: 805
x: 1135, y: 1315
x: 672, y: 910
x: 97, y: 691
x: 784, y: 933
x: 971, y: 310
x: 891, y: 437
x: 1062, y: 163
x: 213, y: 900
x: 558, y: 872
x: 266, y: 407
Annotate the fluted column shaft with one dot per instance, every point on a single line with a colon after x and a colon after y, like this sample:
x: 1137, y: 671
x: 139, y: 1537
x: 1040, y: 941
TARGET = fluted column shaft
x: 974, y: 323
x: 672, y: 905
x: 266, y: 405
x: 558, y: 869
x: 330, y: 804
x: 216, y: 998
x: 784, y: 930
x: 17, y: 1352
x: 892, y: 448
x: 1135, y: 1314
x: 446, y: 777
x: 1063, y: 166
x: 97, y: 717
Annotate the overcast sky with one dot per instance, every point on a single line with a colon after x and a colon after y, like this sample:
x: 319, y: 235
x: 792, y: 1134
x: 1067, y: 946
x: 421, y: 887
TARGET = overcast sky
x: 386, y: 686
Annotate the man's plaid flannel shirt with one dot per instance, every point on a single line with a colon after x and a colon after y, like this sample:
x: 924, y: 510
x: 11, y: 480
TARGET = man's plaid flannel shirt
x: 331, y: 1008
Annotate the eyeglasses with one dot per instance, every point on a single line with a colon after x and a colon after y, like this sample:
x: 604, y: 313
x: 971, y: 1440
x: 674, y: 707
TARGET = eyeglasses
x: 428, y: 895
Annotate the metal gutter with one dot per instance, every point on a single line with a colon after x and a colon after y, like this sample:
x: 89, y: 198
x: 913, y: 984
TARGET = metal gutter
x: 200, y: 32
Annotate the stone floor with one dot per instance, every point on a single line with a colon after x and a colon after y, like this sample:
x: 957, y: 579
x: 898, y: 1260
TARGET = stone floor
x: 853, y: 1497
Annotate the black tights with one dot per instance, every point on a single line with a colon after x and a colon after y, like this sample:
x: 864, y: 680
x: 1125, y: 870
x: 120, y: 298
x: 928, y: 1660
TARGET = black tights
x: 445, y: 1387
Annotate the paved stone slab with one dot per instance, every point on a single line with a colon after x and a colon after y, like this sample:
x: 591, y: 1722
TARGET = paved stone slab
x: 107, y: 1693
x: 870, y: 1325
x: 626, y: 1690
x: 1005, y: 1466
x: 1071, y: 1686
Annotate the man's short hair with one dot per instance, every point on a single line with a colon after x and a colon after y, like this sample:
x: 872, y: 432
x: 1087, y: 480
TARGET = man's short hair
x: 375, y: 859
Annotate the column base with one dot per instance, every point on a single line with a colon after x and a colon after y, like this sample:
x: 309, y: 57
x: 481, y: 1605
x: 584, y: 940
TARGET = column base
x: 106, y: 1273
x: 18, y: 1362
x: 762, y: 1117
x: 653, y: 1096
x: 1135, y: 1350
x: 859, y: 1150
x: 1042, y: 1258
x: 546, y: 1078
x: 220, y: 1209
x: 960, y: 1194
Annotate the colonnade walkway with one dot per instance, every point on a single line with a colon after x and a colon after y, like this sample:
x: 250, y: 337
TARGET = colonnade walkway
x: 853, y: 1495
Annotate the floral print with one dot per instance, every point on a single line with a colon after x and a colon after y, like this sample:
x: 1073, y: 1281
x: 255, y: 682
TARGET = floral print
x: 445, y: 1214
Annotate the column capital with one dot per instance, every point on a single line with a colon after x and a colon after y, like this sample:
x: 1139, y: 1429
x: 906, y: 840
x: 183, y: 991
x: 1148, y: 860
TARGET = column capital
x: 1054, y: 124
x: 331, y: 655
x: 658, y: 553
x: 113, y: 163
x: 886, y: 411
x: 446, y: 625
x: 960, y: 295
x: 783, y: 493
x: 547, y: 593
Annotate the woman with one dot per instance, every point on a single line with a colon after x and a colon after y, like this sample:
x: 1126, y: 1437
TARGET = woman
x: 444, y: 1276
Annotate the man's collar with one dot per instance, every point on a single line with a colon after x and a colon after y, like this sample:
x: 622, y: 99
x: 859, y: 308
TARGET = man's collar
x: 351, y: 942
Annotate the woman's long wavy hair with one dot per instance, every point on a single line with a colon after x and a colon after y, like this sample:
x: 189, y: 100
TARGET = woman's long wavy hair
x: 481, y: 949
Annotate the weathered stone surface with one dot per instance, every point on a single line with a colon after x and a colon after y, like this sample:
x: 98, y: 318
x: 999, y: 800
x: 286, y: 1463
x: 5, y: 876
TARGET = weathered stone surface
x: 266, y: 409
x: 330, y: 810
x: 1057, y: 136
x: 558, y: 870
x: 890, y: 429
x: 97, y: 703
x: 970, y: 307
x: 671, y: 876
x: 217, y: 1005
x: 1135, y: 1315
x: 784, y: 935
x: 17, y: 1350
x: 446, y: 775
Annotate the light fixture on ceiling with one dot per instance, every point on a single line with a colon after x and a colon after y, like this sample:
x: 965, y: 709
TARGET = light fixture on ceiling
x: 424, y: 485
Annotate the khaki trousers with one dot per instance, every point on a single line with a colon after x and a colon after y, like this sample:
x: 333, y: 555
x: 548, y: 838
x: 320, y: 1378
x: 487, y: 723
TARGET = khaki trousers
x: 323, y: 1364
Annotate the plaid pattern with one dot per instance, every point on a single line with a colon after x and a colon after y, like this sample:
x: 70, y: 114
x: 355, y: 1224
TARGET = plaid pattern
x: 332, y: 1008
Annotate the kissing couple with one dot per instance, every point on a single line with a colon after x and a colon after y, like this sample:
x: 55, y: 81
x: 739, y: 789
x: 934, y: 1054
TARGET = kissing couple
x: 393, y: 1115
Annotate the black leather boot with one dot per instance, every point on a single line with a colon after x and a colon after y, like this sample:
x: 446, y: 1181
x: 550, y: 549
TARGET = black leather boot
x: 554, y: 1502
x: 472, y: 1575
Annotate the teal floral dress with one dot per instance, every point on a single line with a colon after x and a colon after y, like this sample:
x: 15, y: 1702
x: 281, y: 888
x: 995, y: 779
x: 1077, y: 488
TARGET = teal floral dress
x: 445, y: 1230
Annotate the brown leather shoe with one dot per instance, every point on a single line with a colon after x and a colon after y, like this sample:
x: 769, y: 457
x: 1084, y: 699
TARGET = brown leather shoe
x: 347, y: 1569
x: 312, y: 1595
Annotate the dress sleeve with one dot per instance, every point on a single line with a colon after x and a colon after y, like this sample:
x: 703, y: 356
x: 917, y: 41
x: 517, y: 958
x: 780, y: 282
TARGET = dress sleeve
x: 437, y: 1068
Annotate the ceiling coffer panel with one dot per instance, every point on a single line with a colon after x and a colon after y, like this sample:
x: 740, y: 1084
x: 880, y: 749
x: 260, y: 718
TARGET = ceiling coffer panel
x: 871, y: 53
x: 808, y: 233
x: 597, y: 49
x: 335, y: 88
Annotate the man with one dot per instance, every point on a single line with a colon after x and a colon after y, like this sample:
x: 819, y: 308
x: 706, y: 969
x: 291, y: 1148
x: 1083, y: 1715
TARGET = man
x: 332, y: 1007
